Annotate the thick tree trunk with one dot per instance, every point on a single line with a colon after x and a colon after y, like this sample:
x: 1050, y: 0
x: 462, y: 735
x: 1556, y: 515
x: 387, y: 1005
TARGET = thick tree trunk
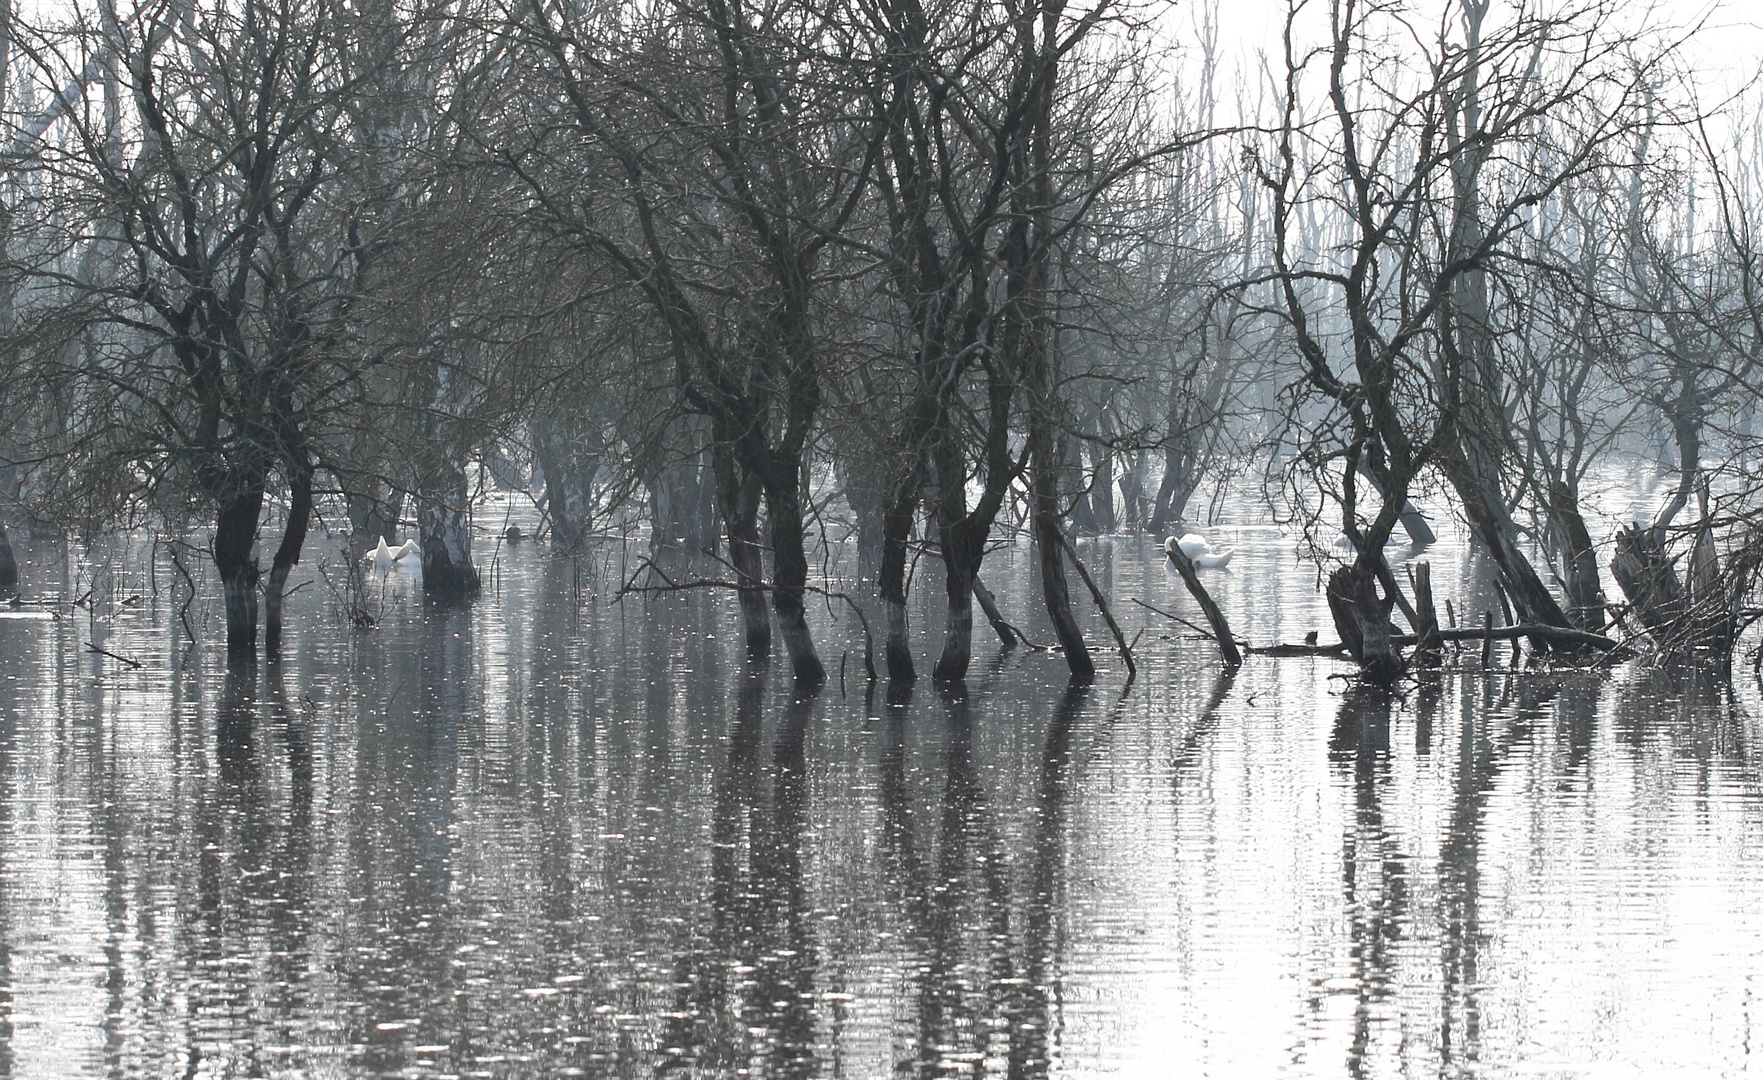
x: 235, y: 558
x: 1132, y: 492
x: 896, y: 530
x: 789, y: 560
x: 738, y: 494
x: 1578, y: 557
x: 372, y: 519
x: 1177, y: 486
x: 286, y: 556
x: 963, y: 547
x: 1362, y: 618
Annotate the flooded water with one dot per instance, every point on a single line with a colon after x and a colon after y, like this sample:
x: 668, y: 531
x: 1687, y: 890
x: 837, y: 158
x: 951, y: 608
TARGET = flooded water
x: 552, y: 835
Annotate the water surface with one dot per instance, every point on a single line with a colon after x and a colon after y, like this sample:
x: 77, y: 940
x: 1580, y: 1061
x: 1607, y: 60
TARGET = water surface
x: 553, y: 835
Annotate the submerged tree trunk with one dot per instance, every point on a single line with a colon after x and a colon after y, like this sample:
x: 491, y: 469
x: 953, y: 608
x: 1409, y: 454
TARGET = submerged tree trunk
x: 1057, y: 591
x: 1578, y: 557
x: 448, y: 574
x: 235, y: 558
x: 286, y: 556
x: 738, y: 495
x: 1362, y: 618
x: 896, y: 530
x: 789, y: 560
x: 963, y: 548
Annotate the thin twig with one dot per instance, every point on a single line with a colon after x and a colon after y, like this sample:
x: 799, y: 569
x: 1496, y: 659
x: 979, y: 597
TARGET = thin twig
x: 113, y: 656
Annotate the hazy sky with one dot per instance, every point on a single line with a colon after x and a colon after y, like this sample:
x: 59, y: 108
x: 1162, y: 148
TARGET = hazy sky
x: 1727, y: 51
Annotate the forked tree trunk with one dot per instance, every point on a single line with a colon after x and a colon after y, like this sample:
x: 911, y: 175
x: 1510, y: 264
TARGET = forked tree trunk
x: 235, y: 559
x: 286, y: 556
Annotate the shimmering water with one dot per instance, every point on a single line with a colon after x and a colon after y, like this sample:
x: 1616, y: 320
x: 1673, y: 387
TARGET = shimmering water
x: 552, y: 835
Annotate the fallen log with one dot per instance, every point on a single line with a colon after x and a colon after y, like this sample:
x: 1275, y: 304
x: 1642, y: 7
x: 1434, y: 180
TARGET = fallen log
x: 1558, y: 635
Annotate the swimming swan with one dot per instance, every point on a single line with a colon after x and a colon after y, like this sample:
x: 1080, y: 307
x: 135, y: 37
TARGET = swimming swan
x: 1199, y: 550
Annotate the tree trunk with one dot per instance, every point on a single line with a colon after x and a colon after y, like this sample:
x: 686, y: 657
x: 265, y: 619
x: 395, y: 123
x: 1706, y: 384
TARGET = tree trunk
x: 1102, y: 491
x: 1578, y: 557
x: 1429, y: 646
x: 789, y: 560
x: 896, y: 529
x: 1132, y: 492
x: 1491, y: 523
x: 1362, y: 618
x: 1173, y: 492
x: 8, y: 566
x: 286, y: 556
x: 963, y: 547
x: 1057, y: 591
x: 235, y: 558
x: 372, y: 519
x: 738, y: 495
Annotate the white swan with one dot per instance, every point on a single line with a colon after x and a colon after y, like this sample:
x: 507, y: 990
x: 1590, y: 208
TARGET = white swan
x: 1199, y: 550
x: 384, y: 558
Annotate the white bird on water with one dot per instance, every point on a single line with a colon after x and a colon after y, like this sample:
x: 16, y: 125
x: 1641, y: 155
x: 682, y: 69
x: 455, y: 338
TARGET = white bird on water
x: 384, y: 558
x: 1199, y: 550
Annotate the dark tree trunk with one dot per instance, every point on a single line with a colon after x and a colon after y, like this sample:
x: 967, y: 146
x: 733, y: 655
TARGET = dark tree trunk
x: 1057, y: 591
x: 1491, y: 522
x: 896, y: 528
x: 448, y: 574
x: 8, y: 566
x: 738, y: 494
x: 286, y: 556
x: 866, y: 491
x: 1132, y: 492
x: 372, y: 519
x: 1362, y: 618
x: 235, y: 558
x: 1578, y: 557
x: 789, y: 560
x: 963, y: 548
x: 988, y: 603
x: 1428, y: 647
x: 1173, y: 492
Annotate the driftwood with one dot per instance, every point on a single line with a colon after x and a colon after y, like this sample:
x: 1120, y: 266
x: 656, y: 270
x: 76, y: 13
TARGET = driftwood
x: 1556, y: 635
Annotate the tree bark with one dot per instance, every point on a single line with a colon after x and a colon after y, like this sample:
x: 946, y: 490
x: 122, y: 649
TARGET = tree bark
x: 287, y: 554
x: 1578, y: 557
x: 738, y: 495
x: 896, y: 529
x: 789, y: 560
x: 235, y: 558
x: 1362, y: 618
